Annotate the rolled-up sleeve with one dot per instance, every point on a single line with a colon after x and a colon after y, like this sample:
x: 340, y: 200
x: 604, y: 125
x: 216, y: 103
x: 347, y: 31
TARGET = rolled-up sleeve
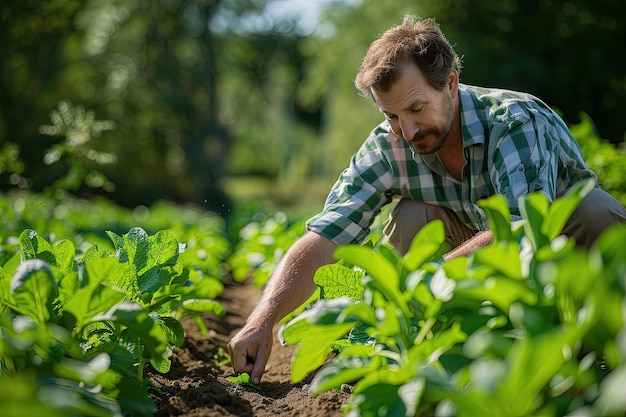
x: 525, y: 156
x: 356, y: 198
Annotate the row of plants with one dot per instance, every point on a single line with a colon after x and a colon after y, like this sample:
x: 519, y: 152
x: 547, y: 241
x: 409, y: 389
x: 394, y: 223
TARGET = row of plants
x: 78, y: 330
x: 86, y: 305
x: 530, y: 325
x: 61, y: 241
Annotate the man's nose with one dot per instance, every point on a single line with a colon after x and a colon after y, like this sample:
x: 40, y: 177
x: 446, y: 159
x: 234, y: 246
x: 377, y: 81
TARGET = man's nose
x: 408, y: 128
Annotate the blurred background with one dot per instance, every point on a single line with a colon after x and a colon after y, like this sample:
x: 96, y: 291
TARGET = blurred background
x: 223, y: 102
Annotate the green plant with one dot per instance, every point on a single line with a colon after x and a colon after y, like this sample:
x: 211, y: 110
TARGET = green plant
x: 261, y: 246
x: 243, y: 379
x: 78, y: 128
x: 85, y: 327
x: 515, y: 329
x: 607, y: 160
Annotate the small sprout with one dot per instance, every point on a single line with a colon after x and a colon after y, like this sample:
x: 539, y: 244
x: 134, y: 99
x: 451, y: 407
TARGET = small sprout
x: 243, y: 379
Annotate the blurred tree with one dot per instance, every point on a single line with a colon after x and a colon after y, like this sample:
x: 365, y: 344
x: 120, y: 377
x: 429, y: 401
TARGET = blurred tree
x: 156, y: 61
x: 566, y: 52
x: 31, y: 34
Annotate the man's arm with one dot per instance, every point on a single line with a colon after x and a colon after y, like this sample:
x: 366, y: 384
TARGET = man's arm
x: 479, y: 241
x: 290, y: 285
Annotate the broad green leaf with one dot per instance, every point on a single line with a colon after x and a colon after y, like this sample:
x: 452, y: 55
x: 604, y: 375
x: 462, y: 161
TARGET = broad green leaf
x: 534, y: 208
x: 343, y: 370
x: 69, y: 283
x: 426, y: 245
x: 503, y: 257
x: 390, y: 325
x: 161, y: 365
x: 457, y: 268
x: 203, y: 306
x: 384, y: 399
x: 95, y: 252
x: 501, y: 291
x: 338, y: 280
x: 324, y: 312
x: 64, y: 254
x: 562, y: 208
x: 124, y: 279
x: 360, y: 311
x: 315, y: 347
x: 208, y: 287
x: 164, y: 248
x: 34, y: 246
x: 499, y: 215
x: 293, y: 332
x: 136, y: 247
x: 533, y: 362
x: 156, y: 269
x: 430, y: 349
x: 34, y: 288
x: 172, y: 329
x: 88, y: 303
x: 92, y: 372
x: 94, y: 298
x: 384, y: 275
x: 141, y: 328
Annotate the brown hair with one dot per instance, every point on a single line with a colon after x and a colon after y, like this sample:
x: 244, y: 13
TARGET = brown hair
x: 415, y: 40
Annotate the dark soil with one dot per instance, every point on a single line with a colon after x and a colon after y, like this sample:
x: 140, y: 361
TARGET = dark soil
x: 196, y: 385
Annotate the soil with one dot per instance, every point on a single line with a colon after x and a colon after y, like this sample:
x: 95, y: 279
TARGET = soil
x: 196, y: 384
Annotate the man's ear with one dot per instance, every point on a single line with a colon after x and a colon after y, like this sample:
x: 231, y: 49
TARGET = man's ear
x: 453, y: 83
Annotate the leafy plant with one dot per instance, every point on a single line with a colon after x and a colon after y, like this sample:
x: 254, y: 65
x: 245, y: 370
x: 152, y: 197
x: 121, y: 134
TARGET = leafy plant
x: 78, y: 127
x: 515, y: 329
x: 261, y: 246
x: 607, y: 160
x: 85, y: 327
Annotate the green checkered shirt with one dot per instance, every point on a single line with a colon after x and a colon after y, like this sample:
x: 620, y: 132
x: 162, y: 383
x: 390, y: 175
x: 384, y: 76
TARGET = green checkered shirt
x: 514, y: 144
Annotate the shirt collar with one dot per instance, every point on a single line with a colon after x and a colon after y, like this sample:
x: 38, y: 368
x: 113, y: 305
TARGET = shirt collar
x: 473, y: 123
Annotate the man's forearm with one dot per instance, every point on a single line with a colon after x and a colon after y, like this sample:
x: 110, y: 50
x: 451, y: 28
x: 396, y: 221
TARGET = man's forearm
x: 479, y: 241
x: 292, y: 283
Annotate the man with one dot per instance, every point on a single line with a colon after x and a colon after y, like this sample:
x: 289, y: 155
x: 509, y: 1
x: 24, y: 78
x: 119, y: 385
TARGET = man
x: 442, y: 147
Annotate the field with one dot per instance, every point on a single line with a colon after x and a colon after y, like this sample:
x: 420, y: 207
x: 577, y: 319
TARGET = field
x: 135, y: 321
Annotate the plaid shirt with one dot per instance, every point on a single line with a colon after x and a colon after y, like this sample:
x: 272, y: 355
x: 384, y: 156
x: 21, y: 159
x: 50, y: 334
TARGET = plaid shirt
x: 513, y: 143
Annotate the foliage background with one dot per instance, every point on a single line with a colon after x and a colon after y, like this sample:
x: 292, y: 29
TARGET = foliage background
x: 218, y: 101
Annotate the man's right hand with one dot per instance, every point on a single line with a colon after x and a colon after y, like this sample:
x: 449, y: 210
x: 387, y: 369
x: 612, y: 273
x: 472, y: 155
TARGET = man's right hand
x: 291, y: 284
x: 250, y: 349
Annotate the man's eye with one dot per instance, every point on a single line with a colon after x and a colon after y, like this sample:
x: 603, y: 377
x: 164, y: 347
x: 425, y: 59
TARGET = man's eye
x: 417, y: 109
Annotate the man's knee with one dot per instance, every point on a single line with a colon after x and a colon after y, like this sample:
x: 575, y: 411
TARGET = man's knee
x: 595, y: 213
x: 409, y: 216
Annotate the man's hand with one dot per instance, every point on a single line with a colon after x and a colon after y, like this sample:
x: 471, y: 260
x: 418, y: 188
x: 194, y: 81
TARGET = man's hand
x: 290, y: 285
x: 250, y: 349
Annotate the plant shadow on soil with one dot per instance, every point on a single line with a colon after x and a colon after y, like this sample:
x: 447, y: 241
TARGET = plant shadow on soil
x: 197, y: 386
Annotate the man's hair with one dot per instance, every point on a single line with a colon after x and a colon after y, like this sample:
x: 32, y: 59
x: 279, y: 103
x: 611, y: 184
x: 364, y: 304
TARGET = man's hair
x: 416, y: 40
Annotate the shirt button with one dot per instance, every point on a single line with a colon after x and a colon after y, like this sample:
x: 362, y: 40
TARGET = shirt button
x: 537, y: 186
x: 520, y: 169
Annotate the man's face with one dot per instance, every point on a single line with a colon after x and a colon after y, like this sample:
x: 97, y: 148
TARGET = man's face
x: 416, y: 111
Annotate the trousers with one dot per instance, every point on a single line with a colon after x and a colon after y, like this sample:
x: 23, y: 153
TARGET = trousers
x: 595, y: 213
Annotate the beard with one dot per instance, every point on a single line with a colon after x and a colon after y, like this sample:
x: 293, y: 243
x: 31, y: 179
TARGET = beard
x: 430, y: 140
x: 421, y: 145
